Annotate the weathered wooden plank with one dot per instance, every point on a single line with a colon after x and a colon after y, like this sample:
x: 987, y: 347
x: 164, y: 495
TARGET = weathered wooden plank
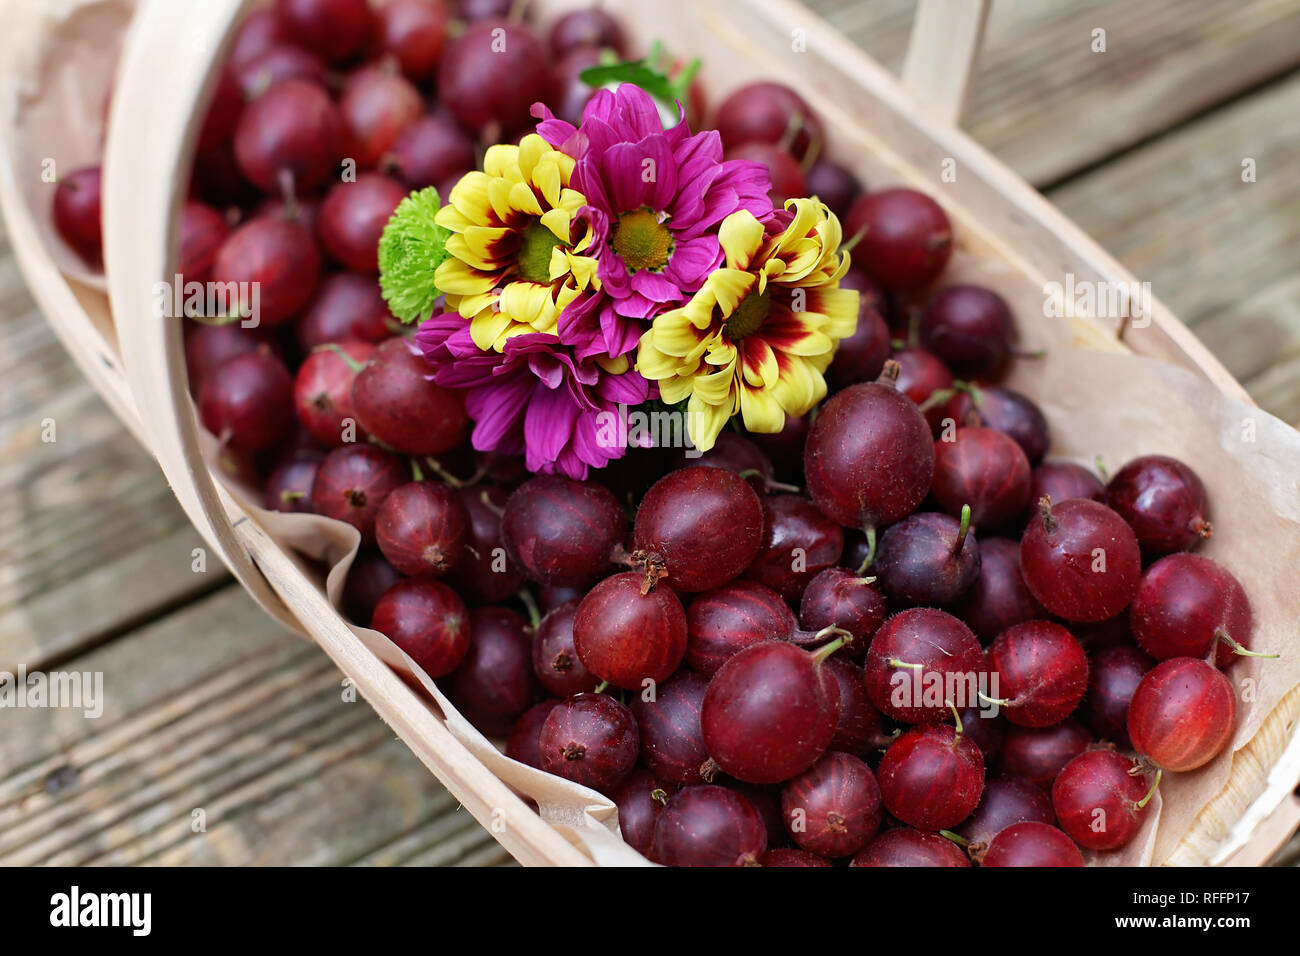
x: 215, y: 708
x: 453, y: 837
x: 91, y: 538
x: 1218, y: 250
x: 1258, y: 332
x: 1048, y: 106
x: 62, y: 620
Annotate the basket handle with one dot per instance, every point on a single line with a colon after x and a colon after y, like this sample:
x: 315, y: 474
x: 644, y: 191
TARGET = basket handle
x: 142, y: 152
x: 169, y: 61
x: 941, y: 54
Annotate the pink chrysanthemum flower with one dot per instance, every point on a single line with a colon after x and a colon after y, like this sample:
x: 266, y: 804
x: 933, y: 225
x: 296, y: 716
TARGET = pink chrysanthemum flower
x: 655, y: 199
x: 535, y: 397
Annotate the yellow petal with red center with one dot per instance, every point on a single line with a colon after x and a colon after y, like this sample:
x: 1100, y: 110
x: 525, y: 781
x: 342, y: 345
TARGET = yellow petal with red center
x: 559, y: 264
x: 456, y: 278
x: 812, y: 342
x: 674, y: 390
x: 760, y: 411
x: 571, y: 200
x: 705, y: 421
x: 801, y: 386
x: 583, y: 269
x: 719, y: 352
x: 759, y: 365
x: 499, y: 196
x: 487, y: 329
x: 820, y: 363
x: 740, y: 236
x: 546, y: 177
x: 718, y: 387
x: 692, y: 359
x: 796, y: 333
x: 449, y: 217
x: 841, y: 267
x: 726, y: 288
x: 565, y: 164
x: 653, y: 363
x: 480, y: 246
x: 471, y: 305
x: 830, y: 230
x: 559, y: 222
x: 532, y: 148
x: 500, y: 160
x: 523, y: 199
x: 807, y: 215
x: 673, y: 333
x: 467, y: 203
x: 802, y: 260
x: 529, y: 303
x: 840, y: 306
x: 698, y: 310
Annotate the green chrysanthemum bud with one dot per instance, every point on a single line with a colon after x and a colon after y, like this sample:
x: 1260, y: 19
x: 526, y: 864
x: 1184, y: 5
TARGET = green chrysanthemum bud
x: 410, y: 251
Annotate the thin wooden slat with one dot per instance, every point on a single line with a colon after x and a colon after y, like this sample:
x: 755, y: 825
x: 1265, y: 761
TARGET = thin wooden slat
x: 215, y: 707
x: 1049, y: 106
x: 91, y: 538
x: 447, y: 840
x: 413, y: 847
x: 110, y: 598
x: 143, y: 195
x: 1219, y: 250
x: 941, y: 55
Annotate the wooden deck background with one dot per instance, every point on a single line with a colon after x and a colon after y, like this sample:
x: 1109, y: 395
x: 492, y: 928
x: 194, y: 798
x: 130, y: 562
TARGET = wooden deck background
x: 212, y: 707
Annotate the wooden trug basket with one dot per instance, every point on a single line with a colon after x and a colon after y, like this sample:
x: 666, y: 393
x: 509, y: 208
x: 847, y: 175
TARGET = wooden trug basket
x: 885, y: 129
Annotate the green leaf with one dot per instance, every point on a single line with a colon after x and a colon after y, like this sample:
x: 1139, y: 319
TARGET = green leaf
x: 410, y: 251
x: 649, y: 73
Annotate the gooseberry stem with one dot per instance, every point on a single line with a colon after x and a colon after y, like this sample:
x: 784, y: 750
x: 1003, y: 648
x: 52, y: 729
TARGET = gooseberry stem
x: 792, y: 128
x: 1152, y: 792
x: 889, y: 374
x: 962, y: 529
x: 956, y: 838
x: 826, y: 650
x: 530, y: 604
x: 353, y: 365
x: 1237, y: 648
x: 870, y: 532
x: 1045, y: 511
x: 937, y: 397
x: 830, y: 629
x: 488, y: 503
x: 857, y: 237
x: 451, y: 480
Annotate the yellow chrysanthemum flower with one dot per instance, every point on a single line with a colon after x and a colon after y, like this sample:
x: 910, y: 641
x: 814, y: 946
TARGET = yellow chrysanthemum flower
x: 512, y: 264
x: 761, y: 331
